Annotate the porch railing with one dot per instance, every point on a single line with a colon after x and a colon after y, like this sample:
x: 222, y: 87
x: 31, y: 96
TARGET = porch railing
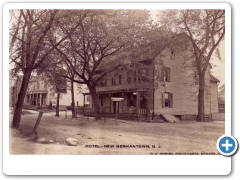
x: 88, y: 110
x: 142, y: 111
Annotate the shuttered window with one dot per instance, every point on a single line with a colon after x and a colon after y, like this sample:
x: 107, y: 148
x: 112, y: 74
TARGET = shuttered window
x: 113, y: 81
x: 165, y: 74
x: 167, y: 100
x: 120, y: 79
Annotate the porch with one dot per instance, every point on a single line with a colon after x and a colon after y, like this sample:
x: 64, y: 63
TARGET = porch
x: 133, y: 104
x: 38, y: 98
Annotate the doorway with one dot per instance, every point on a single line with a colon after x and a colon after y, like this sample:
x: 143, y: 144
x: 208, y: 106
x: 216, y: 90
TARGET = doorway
x: 115, y: 107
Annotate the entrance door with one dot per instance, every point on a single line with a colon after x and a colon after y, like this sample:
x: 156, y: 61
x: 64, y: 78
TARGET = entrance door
x: 115, y: 107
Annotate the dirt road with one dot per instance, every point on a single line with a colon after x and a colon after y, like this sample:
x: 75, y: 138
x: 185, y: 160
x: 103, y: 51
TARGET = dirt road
x: 125, y: 137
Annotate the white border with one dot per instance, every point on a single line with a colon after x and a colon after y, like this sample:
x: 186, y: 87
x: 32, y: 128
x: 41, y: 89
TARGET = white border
x: 114, y: 164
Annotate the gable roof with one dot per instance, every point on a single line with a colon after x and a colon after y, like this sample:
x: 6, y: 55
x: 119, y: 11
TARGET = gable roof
x: 213, y: 79
x: 220, y: 101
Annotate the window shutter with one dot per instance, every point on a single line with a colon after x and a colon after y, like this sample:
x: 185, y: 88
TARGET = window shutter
x: 120, y: 79
x: 163, y: 100
x: 171, y: 100
x: 168, y: 74
x: 162, y: 75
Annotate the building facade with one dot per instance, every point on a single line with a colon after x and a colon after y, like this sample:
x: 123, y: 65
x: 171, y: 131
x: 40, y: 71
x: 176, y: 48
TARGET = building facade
x: 40, y: 93
x: 170, y: 89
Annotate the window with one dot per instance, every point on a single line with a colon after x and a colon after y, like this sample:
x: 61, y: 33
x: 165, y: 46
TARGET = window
x: 113, y: 81
x: 38, y: 85
x: 101, y: 98
x: 172, y: 54
x: 131, y: 76
x: 103, y: 82
x: 135, y: 76
x: 129, y: 80
x: 131, y: 100
x: 45, y: 84
x: 88, y: 98
x: 144, y: 73
x: 167, y: 100
x: 120, y: 79
x: 165, y: 74
x: 143, y: 101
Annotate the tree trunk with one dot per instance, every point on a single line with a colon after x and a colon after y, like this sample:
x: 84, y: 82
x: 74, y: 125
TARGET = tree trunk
x: 201, y: 112
x: 92, y: 90
x: 19, y: 105
x: 57, y: 106
x: 73, y: 100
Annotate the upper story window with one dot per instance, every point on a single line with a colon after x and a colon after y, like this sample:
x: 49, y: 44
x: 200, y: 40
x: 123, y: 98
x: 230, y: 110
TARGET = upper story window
x: 172, y: 54
x: 120, y: 79
x: 103, y: 82
x: 129, y: 79
x: 167, y: 100
x: 113, y: 81
x: 131, y: 76
x: 45, y: 84
x: 135, y: 76
x: 165, y: 74
x: 144, y: 74
x: 38, y: 85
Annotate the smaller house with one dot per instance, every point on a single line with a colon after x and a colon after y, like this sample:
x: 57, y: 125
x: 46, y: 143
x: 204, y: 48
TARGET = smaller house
x: 221, y: 105
x: 40, y: 92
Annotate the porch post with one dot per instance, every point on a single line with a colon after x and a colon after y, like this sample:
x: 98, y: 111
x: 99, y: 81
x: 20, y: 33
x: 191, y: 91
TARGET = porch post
x: 83, y: 104
x: 28, y: 99
x: 110, y: 109
x: 138, y: 104
x: 37, y: 95
x: 33, y: 99
x: 98, y: 97
x: 40, y: 99
x: 122, y: 102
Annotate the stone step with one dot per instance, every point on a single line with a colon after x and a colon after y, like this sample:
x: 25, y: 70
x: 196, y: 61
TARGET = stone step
x: 170, y: 118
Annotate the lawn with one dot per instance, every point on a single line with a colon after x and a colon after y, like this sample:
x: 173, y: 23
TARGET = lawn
x: 111, y: 137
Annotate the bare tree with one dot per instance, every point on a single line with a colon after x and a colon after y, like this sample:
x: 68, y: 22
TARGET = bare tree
x: 205, y: 29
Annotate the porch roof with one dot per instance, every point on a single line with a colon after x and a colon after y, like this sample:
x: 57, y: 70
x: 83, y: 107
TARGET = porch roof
x: 37, y: 92
x: 119, y: 91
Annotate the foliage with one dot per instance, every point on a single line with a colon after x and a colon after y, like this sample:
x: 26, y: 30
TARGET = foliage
x: 102, y: 34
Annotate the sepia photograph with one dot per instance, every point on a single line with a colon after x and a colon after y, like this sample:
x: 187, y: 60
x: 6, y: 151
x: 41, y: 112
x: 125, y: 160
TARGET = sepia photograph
x: 116, y: 81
